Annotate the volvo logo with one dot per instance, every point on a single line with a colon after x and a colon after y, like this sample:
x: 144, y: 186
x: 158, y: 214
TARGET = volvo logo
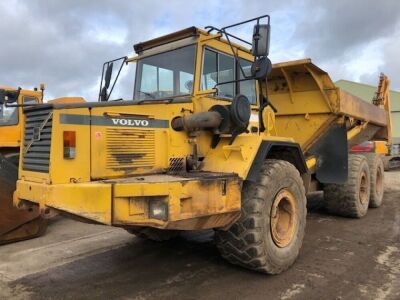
x: 131, y: 122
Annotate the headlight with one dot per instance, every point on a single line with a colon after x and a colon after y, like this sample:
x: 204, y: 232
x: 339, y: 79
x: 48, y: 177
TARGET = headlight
x: 158, y: 209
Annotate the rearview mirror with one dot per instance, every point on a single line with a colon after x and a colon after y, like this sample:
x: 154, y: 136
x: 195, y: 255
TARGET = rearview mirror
x: 261, y: 37
x: 107, y: 78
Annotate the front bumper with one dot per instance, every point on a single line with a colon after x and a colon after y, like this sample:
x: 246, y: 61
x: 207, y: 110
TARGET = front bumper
x: 194, y: 201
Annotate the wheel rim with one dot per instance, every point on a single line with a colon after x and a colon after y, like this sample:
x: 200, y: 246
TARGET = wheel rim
x: 283, y: 218
x: 379, y: 182
x: 364, y: 185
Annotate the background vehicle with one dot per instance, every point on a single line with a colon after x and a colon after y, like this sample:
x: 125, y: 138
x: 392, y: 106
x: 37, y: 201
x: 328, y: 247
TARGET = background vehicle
x: 207, y: 143
x: 390, y: 150
x: 15, y: 224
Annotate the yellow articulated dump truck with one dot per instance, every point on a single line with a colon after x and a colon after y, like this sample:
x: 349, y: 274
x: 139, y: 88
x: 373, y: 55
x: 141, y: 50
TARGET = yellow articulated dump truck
x: 15, y: 224
x: 216, y: 137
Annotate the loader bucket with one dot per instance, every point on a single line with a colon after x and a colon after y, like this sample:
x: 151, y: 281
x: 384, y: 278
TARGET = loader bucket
x: 15, y: 224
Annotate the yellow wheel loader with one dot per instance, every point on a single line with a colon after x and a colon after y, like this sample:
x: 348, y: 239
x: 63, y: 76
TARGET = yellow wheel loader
x: 215, y: 137
x: 15, y: 224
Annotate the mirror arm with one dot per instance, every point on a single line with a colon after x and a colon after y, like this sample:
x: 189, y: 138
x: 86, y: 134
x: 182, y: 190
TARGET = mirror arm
x: 101, y: 82
x: 235, y: 55
x: 103, y: 75
x: 18, y: 93
x: 119, y: 72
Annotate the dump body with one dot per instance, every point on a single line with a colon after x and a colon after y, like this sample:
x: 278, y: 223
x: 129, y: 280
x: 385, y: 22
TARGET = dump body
x: 308, y: 104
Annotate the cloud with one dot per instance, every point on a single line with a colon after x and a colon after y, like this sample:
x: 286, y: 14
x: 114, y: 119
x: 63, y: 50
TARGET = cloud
x: 352, y: 39
x: 64, y: 43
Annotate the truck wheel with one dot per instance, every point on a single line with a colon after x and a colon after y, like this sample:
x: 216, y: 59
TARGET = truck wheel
x: 154, y: 234
x: 269, y: 234
x: 377, y: 173
x: 352, y: 198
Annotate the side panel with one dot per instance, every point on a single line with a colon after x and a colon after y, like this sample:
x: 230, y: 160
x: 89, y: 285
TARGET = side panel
x: 76, y: 169
x: 236, y: 158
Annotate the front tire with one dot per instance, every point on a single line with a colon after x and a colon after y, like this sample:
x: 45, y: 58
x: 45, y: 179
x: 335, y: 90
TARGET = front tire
x: 269, y: 234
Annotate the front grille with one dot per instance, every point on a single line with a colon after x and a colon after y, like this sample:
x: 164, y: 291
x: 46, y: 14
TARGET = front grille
x: 37, y: 140
x: 130, y: 148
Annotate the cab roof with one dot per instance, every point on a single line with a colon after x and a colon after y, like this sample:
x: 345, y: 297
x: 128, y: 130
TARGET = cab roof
x: 179, y: 35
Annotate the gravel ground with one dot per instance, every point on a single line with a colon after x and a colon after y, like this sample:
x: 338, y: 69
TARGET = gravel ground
x: 340, y: 259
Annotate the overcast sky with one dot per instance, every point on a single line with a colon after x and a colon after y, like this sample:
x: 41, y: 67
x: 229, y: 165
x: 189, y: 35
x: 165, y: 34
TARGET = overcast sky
x: 64, y: 43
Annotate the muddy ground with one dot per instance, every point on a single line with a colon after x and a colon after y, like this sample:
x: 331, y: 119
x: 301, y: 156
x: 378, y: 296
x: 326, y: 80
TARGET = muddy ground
x: 340, y: 259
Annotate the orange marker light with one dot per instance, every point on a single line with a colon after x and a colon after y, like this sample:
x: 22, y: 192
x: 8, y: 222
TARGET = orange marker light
x: 69, y: 144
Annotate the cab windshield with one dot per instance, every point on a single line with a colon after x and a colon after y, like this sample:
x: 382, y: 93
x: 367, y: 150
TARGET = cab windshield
x: 9, y: 114
x: 166, y: 75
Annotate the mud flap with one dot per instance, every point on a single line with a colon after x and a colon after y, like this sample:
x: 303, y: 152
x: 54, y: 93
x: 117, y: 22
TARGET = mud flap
x: 332, y: 156
x: 15, y: 224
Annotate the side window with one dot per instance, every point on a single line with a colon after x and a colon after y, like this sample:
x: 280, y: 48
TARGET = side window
x: 218, y: 68
x: 226, y: 71
x: 209, y: 77
x: 247, y: 87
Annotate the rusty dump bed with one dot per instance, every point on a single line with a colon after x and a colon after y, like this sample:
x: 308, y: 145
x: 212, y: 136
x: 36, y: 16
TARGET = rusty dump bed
x: 308, y: 104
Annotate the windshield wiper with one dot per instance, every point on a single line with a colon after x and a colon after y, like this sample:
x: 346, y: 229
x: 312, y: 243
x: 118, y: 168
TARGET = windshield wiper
x: 148, y: 94
x: 165, y: 100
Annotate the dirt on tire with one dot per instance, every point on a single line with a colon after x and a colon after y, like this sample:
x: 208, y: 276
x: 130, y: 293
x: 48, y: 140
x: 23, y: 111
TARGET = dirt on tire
x: 377, y: 173
x: 352, y: 198
x: 249, y: 242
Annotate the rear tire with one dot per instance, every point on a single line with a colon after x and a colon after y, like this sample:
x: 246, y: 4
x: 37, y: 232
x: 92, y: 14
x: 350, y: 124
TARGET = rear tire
x: 352, y: 198
x: 153, y: 234
x: 269, y: 234
x: 377, y: 173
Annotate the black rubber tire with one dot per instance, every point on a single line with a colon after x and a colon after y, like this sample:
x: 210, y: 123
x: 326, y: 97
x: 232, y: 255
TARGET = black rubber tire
x: 344, y: 199
x: 153, y: 234
x: 249, y: 242
x: 377, y: 174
